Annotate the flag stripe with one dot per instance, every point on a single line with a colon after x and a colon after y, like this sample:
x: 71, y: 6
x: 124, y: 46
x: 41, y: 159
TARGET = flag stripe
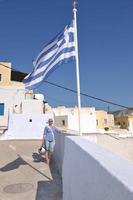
x: 38, y: 81
x: 52, y: 45
x: 52, y: 54
x: 60, y: 50
x: 45, y: 65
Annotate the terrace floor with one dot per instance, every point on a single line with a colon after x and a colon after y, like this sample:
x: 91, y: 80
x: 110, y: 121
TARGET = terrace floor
x: 25, y: 175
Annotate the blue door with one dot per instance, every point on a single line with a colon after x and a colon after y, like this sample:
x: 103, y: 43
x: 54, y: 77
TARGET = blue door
x: 1, y: 108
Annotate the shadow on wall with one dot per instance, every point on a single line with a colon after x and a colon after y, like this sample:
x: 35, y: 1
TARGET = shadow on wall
x: 50, y: 189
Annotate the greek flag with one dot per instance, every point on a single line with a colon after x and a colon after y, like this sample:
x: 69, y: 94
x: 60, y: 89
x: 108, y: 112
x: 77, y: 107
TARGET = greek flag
x: 59, y: 51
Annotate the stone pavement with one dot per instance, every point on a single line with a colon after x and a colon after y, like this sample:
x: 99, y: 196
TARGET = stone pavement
x: 24, y: 175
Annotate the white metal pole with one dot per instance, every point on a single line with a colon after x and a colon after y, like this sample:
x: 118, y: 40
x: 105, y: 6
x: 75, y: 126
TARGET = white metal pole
x: 77, y: 66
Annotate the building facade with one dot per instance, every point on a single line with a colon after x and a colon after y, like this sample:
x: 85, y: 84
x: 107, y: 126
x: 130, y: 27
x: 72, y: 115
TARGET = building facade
x: 124, y: 122
x: 104, y: 120
x: 67, y: 118
x: 5, y: 76
x: 21, y: 111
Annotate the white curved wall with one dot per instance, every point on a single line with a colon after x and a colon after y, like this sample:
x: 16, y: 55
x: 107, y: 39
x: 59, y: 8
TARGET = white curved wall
x: 91, y: 172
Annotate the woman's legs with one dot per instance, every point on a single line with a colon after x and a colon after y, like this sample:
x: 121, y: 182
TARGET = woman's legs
x: 49, y: 150
x: 50, y: 156
x: 47, y: 156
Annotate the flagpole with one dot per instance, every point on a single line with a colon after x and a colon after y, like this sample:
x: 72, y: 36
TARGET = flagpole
x: 77, y: 64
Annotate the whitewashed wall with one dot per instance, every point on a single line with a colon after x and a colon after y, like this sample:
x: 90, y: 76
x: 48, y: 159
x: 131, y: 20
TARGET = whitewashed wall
x: 59, y: 149
x: 58, y: 121
x: 32, y: 106
x: 70, y: 115
x: 130, y: 126
x: 10, y: 96
x: 92, y: 172
x: 26, y: 126
x: 88, y: 122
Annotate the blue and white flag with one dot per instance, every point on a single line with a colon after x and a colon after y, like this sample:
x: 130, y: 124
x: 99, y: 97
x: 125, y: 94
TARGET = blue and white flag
x: 59, y: 51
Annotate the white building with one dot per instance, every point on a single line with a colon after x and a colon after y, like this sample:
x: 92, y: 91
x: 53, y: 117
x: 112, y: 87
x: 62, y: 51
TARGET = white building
x: 21, y: 111
x: 23, y: 115
x: 16, y: 100
x: 67, y: 118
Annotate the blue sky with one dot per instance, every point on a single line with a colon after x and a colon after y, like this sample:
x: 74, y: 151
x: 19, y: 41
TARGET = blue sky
x: 105, y: 34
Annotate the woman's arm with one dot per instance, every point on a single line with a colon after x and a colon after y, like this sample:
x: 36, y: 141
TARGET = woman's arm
x: 57, y: 130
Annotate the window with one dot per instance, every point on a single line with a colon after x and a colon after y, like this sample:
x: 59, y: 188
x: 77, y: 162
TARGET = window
x: 1, y: 108
x: 105, y: 121
x: 0, y: 77
x: 63, y: 122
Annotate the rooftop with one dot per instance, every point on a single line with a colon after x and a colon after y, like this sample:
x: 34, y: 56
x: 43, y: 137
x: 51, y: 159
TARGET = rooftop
x: 118, y: 145
x: 24, y: 175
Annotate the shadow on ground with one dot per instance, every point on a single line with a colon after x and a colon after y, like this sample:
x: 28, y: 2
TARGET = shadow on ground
x: 37, y: 157
x: 13, y: 165
x: 17, y: 163
x: 50, y: 190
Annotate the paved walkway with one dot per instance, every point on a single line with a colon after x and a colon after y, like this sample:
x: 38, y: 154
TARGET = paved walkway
x: 24, y: 175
